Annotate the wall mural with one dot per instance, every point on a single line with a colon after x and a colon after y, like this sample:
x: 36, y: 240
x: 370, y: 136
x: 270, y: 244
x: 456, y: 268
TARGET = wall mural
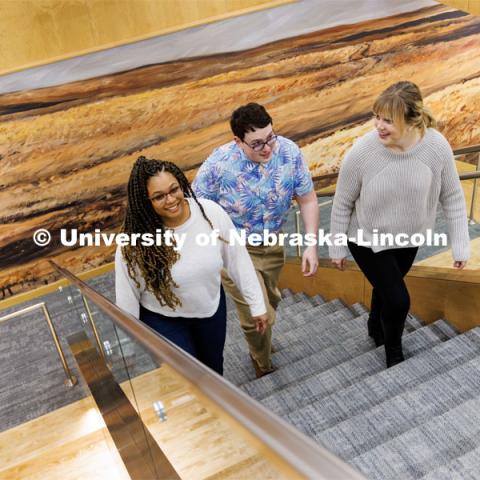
x: 66, y: 151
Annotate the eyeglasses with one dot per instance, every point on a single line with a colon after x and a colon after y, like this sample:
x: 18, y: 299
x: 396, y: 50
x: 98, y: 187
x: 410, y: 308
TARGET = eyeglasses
x: 161, y: 198
x: 258, y: 146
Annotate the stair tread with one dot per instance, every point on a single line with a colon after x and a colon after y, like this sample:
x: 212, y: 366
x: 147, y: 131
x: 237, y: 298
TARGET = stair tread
x: 403, y: 412
x: 307, y: 366
x: 416, y: 452
x: 340, y: 376
x: 315, y: 326
x: 305, y: 314
x: 464, y: 467
x: 364, y: 394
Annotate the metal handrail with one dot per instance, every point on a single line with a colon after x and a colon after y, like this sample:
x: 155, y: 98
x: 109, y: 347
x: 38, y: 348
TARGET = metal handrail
x: 296, y: 451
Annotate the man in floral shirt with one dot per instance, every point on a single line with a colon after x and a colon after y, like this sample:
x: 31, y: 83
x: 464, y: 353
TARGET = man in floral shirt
x: 254, y: 178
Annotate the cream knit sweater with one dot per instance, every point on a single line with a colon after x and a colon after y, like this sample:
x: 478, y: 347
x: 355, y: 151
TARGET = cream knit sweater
x: 382, y: 190
x: 197, y: 272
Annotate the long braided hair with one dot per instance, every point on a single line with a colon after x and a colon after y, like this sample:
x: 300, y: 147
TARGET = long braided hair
x: 154, y: 262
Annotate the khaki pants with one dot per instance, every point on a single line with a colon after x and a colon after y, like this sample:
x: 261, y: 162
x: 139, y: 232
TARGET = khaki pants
x: 268, y: 263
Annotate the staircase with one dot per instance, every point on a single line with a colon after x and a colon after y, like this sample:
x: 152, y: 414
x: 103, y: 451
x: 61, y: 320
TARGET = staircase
x: 417, y: 420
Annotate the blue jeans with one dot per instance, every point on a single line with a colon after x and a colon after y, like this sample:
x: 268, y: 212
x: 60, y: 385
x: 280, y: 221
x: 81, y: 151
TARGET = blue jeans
x: 203, y: 338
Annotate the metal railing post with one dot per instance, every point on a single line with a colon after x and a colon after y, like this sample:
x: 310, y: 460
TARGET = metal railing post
x: 94, y: 328
x: 71, y: 380
x: 297, y: 230
x: 474, y: 194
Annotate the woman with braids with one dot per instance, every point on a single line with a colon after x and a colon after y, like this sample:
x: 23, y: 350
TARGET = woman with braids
x: 390, y: 183
x: 176, y: 289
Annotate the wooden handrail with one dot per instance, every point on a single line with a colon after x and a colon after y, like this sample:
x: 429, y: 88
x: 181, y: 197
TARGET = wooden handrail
x: 463, y: 176
x: 434, y: 292
x: 464, y: 150
x: 469, y: 175
x: 291, y: 449
x: 456, y: 152
x: 423, y: 271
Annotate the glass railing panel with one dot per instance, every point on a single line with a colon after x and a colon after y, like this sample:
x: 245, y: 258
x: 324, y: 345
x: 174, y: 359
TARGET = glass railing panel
x: 124, y: 358
x: 469, y: 162
x: 294, y: 224
x: 202, y: 425
x: 115, y: 360
x: 180, y: 421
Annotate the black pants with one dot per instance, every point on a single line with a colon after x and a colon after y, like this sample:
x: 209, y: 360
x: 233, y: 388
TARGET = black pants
x: 390, y: 299
x: 203, y: 338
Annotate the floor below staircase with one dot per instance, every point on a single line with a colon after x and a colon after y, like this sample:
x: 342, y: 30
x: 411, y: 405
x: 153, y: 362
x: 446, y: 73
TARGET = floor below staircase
x: 417, y: 420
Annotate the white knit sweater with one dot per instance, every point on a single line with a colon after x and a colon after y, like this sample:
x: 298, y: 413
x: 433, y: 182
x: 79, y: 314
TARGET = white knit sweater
x: 393, y: 192
x: 197, y: 272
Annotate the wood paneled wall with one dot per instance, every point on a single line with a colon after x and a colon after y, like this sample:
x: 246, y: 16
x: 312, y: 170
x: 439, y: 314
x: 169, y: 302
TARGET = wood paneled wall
x: 434, y: 292
x: 472, y: 6
x: 35, y: 32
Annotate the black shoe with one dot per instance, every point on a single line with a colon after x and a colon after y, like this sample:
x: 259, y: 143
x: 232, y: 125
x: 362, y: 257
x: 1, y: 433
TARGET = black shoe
x: 394, y: 356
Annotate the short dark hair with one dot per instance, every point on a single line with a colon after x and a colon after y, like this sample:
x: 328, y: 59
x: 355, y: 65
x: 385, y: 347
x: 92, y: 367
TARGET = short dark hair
x: 247, y: 118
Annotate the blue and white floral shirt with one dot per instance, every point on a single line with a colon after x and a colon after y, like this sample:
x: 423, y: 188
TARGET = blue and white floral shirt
x: 256, y: 196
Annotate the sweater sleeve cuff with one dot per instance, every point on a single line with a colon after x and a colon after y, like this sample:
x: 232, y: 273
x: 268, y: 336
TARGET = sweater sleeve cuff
x: 461, y: 254
x: 337, y: 251
x: 258, y: 309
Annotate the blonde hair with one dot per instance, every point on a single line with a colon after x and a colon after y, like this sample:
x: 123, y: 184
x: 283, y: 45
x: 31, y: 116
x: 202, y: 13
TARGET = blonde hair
x: 402, y: 103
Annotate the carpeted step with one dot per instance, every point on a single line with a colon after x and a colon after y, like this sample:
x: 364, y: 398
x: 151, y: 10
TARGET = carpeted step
x: 313, y: 326
x: 237, y: 365
x: 316, y: 300
x: 297, y: 344
x: 414, y: 321
x: 288, y: 317
x: 465, y: 467
x: 325, y: 383
x: 289, y: 372
x: 446, y: 329
x: 238, y: 368
x: 359, y: 309
x: 299, y: 298
x: 286, y: 292
x: 286, y: 322
x: 365, y: 394
x: 403, y: 412
x: 431, y: 445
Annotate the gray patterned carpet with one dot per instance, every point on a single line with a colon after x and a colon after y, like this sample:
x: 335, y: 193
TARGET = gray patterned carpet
x: 420, y: 419
x: 32, y: 376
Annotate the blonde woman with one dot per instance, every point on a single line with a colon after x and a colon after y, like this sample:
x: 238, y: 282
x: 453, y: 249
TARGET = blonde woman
x: 391, y: 182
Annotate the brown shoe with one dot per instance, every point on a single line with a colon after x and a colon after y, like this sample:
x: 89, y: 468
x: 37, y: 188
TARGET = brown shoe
x: 259, y: 373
